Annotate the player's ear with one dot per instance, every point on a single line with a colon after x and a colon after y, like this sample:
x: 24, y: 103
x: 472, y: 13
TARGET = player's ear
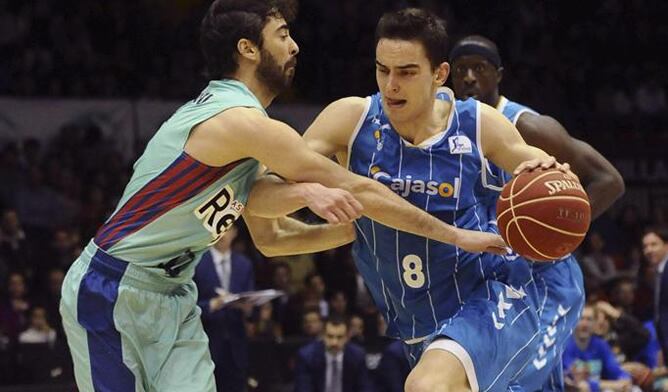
x: 441, y: 74
x: 499, y: 74
x: 248, y: 49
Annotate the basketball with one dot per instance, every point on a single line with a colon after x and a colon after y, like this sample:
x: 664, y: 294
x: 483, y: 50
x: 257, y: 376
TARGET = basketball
x: 543, y: 214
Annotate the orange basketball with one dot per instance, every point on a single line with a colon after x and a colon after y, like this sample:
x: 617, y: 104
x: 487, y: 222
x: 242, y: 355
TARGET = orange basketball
x: 543, y: 214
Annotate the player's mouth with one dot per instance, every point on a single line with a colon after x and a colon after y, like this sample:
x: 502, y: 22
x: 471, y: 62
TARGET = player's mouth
x: 291, y: 65
x: 395, y: 103
x: 471, y: 94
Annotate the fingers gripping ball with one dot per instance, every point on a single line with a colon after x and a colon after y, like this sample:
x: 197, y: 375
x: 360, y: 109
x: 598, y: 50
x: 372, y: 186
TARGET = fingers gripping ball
x: 543, y: 214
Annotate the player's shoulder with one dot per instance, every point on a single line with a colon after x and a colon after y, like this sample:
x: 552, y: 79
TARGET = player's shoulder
x: 349, y: 107
x: 533, y: 125
x: 536, y: 120
x: 238, y: 118
x: 489, y: 114
x: 339, y: 118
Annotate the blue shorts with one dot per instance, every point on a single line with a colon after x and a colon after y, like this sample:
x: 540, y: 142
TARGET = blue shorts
x: 496, y: 332
x: 561, y: 292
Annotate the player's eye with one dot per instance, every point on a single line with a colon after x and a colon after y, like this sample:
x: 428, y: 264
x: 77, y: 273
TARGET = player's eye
x: 480, y: 68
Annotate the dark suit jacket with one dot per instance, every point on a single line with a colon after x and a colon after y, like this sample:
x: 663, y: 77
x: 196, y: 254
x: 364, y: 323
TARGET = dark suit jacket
x: 393, y: 368
x: 310, y: 373
x: 661, y: 319
x: 225, y: 327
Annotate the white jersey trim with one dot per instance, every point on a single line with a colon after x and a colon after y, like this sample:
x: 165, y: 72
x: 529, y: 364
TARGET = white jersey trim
x: 521, y: 112
x: 484, y: 166
x: 360, y: 122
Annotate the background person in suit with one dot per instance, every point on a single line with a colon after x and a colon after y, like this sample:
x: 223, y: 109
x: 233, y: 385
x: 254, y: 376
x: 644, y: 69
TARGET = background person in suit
x: 233, y: 272
x: 655, y: 249
x: 393, y: 368
x: 332, y: 364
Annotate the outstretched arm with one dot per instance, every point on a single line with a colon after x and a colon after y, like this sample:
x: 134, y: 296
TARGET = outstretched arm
x: 602, y: 181
x: 243, y: 132
x: 272, y: 197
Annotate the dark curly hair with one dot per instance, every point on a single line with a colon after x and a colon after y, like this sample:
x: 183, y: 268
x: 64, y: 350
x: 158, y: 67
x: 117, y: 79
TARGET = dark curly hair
x: 228, y: 21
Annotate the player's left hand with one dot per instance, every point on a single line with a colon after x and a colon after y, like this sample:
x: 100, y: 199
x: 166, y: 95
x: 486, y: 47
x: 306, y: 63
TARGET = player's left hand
x: 549, y: 162
x: 478, y: 241
x: 332, y: 204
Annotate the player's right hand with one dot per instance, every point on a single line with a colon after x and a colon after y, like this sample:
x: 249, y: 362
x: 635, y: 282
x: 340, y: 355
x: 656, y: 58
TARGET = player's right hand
x: 332, y: 204
x: 478, y: 241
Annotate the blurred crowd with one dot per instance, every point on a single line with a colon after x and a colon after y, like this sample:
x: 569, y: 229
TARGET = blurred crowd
x: 598, y: 63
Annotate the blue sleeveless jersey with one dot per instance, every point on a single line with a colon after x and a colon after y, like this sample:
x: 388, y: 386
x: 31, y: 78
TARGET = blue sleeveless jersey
x: 418, y: 282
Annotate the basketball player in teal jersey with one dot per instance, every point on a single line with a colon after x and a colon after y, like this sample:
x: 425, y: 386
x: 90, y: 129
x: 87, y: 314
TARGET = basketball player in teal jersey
x: 128, y: 302
x: 469, y: 320
x: 477, y: 72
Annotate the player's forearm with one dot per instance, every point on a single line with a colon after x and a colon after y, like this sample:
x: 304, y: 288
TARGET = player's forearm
x: 388, y: 208
x: 603, y: 191
x: 287, y: 236
x: 295, y: 237
x: 272, y: 197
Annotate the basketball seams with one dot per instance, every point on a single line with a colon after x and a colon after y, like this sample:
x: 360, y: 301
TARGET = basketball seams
x: 564, y: 197
x: 547, y: 226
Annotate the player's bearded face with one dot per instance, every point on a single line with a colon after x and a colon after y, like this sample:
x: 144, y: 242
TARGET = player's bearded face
x: 277, y: 77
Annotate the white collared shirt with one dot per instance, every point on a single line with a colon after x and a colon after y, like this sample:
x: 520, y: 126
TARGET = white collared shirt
x: 330, y: 386
x: 662, y: 265
x: 223, y: 264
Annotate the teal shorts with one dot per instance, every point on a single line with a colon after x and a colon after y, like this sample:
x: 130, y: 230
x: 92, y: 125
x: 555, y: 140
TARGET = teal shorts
x: 128, y: 331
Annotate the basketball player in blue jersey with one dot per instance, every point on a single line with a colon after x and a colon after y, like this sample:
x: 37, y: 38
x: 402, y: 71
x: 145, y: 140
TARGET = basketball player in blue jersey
x: 128, y: 302
x: 469, y: 319
x: 476, y: 73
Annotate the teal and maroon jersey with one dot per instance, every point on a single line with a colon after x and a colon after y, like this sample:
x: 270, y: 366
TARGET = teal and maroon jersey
x: 174, y: 204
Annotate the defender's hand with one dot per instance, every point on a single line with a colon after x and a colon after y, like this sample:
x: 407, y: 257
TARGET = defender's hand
x: 478, y: 241
x: 332, y: 204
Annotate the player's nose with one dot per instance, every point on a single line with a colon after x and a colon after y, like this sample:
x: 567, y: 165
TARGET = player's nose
x: 469, y: 76
x: 294, y: 48
x: 392, y: 84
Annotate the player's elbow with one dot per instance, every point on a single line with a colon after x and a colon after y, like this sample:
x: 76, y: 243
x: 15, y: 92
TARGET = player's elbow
x: 617, y: 184
x: 269, y: 251
x: 264, y: 240
x: 266, y: 244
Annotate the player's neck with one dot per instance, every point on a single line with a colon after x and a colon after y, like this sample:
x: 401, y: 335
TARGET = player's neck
x: 425, y: 125
x: 493, y: 99
x: 259, y: 89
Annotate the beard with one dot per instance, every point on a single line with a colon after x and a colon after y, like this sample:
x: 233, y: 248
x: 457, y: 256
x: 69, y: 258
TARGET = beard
x: 274, y: 76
